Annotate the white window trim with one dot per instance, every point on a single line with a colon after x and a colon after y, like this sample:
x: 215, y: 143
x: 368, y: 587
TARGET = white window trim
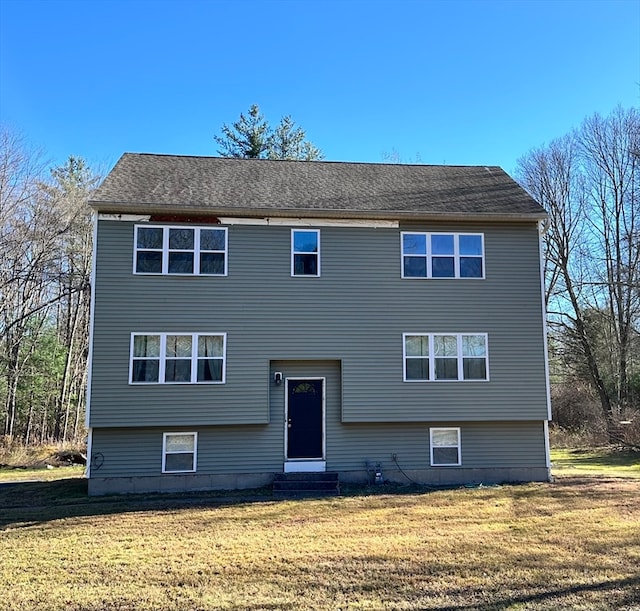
x: 458, y: 446
x: 429, y: 255
x: 432, y: 365
x: 195, y: 451
x: 295, y: 252
x: 165, y: 249
x: 163, y: 358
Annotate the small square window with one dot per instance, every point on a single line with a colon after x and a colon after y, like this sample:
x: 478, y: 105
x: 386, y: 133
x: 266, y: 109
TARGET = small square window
x: 445, y: 447
x: 179, y: 451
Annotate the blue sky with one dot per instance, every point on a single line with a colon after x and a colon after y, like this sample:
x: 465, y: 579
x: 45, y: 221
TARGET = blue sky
x: 455, y: 82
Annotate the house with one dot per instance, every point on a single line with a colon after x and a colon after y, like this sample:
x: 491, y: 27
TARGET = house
x: 255, y: 317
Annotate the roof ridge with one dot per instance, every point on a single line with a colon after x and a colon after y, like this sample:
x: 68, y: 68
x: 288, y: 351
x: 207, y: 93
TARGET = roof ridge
x: 318, y: 161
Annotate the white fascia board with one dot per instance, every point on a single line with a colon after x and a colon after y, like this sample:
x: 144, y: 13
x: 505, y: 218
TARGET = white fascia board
x: 547, y: 445
x: 87, y: 469
x: 92, y: 309
x: 545, y: 330
x: 309, y: 222
x: 136, y: 218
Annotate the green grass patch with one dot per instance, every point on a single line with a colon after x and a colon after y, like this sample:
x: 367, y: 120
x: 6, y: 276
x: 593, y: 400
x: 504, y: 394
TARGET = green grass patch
x: 21, y: 474
x: 573, y: 544
x: 606, y: 461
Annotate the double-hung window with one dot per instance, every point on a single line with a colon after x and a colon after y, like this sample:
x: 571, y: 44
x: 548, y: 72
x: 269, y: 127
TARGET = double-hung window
x: 445, y: 356
x: 445, y: 447
x: 179, y: 452
x: 180, y: 250
x: 442, y: 255
x: 177, y: 358
x: 305, y: 252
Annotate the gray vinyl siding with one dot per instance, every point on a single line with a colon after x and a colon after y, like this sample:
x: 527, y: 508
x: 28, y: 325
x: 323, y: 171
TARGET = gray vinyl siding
x: 137, y: 452
x: 355, y: 313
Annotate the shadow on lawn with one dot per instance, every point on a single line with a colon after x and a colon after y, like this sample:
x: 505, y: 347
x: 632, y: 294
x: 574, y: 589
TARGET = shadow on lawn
x: 630, y: 594
x: 30, y: 503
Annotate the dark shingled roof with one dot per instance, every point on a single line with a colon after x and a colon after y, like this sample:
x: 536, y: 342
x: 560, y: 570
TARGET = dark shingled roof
x: 173, y: 184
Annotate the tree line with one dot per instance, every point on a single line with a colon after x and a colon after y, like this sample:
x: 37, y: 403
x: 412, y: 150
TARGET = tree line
x: 587, y: 180
x: 45, y: 270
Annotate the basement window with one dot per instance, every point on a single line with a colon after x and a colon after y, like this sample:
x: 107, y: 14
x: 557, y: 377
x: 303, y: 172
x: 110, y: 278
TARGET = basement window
x: 179, y: 452
x: 445, y: 447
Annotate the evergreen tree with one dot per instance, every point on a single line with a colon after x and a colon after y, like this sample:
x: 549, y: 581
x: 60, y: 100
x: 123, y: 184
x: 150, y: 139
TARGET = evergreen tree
x: 247, y: 138
x: 288, y: 142
x: 251, y: 137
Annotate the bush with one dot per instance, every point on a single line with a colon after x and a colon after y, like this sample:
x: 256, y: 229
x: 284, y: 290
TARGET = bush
x: 575, y: 408
x: 13, y: 453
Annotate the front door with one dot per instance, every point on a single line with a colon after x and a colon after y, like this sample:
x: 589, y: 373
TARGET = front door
x: 305, y: 419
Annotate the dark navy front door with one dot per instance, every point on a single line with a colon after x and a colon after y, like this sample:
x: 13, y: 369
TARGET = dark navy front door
x: 305, y: 419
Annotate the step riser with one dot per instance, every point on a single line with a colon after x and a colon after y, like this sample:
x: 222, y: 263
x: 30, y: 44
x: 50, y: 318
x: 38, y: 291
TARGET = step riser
x: 306, y: 484
x: 281, y: 486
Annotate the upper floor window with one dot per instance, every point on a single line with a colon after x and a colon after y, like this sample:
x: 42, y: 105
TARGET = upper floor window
x: 445, y: 356
x: 180, y: 250
x: 168, y: 358
x: 442, y: 255
x: 305, y: 252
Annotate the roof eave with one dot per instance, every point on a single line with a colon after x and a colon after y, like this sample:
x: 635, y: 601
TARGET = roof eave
x: 149, y: 208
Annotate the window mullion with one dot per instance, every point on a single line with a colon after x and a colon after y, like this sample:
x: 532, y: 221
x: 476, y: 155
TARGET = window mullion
x: 163, y: 356
x: 196, y: 251
x: 459, y: 356
x: 429, y: 256
x: 165, y: 250
x: 456, y: 255
x: 194, y: 358
x: 432, y: 358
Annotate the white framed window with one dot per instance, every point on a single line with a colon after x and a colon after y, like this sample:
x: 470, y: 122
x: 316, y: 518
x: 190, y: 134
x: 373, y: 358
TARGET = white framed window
x: 180, y: 250
x: 179, y: 452
x: 445, y: 357
x: 444, y: 445
x: 305, y: 252
x: 178, y: 358
x: 442, y: 255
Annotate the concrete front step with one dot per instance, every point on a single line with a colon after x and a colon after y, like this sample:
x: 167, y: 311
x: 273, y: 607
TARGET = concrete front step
x: 306, y: 484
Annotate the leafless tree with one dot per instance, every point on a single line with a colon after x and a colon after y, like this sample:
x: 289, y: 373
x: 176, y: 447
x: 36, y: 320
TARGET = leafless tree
x: 588, y: 183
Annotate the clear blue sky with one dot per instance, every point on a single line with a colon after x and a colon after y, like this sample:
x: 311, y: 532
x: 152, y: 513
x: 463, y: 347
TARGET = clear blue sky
x: 456, y: 82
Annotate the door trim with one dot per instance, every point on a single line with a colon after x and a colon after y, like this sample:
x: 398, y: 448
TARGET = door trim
x: 300, y: 465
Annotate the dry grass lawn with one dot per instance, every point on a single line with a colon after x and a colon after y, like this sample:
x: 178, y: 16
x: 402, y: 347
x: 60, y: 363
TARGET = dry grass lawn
x: 574, y: 544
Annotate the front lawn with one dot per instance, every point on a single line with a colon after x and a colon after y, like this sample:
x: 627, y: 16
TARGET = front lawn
x: 573, y: 544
